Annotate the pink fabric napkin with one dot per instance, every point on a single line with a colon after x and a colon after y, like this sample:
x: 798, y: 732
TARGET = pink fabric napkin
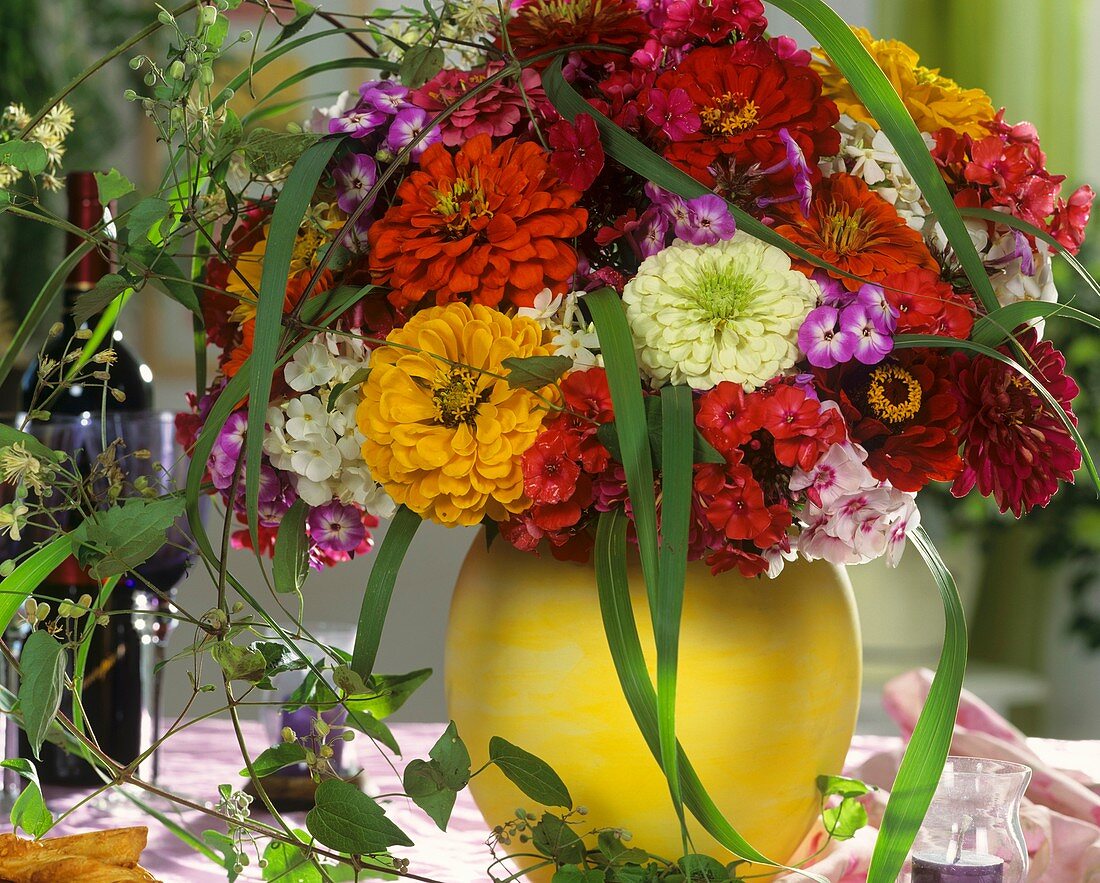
x: 1060, y: 816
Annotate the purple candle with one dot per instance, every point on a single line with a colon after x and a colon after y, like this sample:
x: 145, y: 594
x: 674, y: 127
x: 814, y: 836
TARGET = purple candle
x: 973, y: 867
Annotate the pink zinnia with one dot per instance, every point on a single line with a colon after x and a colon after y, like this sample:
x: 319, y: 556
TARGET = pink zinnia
x: 1014, y: 448
x: 496, y: 112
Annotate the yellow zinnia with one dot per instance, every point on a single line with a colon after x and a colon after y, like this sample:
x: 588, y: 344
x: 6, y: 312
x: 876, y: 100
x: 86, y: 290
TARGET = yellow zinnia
x: 445, y: 433
x: 934, y: 101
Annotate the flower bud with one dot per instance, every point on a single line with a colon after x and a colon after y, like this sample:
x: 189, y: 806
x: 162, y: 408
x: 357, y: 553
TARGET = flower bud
x: 246, y: 36
x: 206, y: 75
x: 85, y: 601
x: 209, y: 15
x: 64, y: 609
x: 288, y: 735
x: 56, y: 328
x: 136, y: 62
x: 177, y: 69
x: 150, y: 79
x: 6, y: 567
x: 118, y: 394
x: 43, y: 610
x: 130, y: 95
x: 83, y: 333
x: 165, y: 17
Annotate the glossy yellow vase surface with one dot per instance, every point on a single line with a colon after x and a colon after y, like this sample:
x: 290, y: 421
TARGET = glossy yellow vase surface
x: 768, y: 692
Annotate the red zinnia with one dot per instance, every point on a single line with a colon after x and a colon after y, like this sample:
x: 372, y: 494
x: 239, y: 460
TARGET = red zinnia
x: 928, y: 305
x: 854, y: 229
x: 539, y: 25
x: 903, y: 412
x: 1015, y: 449
x: 482, y: 225
x: 744, y: 95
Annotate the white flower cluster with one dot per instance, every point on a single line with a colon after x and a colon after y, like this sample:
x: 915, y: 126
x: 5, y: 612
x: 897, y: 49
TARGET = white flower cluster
x: 851, y: 517
x: 1016, y: 275
x: 315, y: 439
x: 571, y: 334
x: 51, y: 132
x: 867, y: 153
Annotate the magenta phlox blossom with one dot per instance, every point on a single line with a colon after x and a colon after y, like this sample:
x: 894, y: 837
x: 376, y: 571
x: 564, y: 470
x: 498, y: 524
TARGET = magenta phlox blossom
x: 355, y: 175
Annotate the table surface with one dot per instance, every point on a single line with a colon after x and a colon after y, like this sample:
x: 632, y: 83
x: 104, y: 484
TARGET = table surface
x: 206, y: 754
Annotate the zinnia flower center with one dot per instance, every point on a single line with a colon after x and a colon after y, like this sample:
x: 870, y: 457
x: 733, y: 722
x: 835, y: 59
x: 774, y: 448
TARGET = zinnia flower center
x: 893, y: 394
x: 461, y: 204
x: 842, y: 229
x: 456, y: 398
x: 722, y: 295
x: 729, y: 114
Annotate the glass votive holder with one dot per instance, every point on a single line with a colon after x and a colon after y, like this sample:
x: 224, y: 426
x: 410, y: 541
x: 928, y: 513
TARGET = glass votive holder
x: 972, y: 832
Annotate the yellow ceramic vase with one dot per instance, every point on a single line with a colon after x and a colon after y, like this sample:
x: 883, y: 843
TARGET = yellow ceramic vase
x: 768, y: 692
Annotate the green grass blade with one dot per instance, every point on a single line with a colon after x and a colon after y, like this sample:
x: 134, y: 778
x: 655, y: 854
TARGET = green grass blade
x: 626, y: 653
x: 39, y: 307
x: 928, y: 748
x: 879, y: 97
x: 996, y: 328
x: 81, y: 659
x: 617, y: 346
x: 29, y: 574
x: 918, y: 341
x: 1024, y: 227
x: 376, y: 598
x: 379, y: 64
x: 289, y: 210
x: 677, y: 449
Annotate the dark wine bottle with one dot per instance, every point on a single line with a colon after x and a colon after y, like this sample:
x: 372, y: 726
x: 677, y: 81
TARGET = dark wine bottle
x: 112, y: 692
x: 128, y: 373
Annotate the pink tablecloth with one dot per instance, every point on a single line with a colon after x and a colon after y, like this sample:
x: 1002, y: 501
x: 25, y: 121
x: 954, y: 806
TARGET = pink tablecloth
x: 206, y: 755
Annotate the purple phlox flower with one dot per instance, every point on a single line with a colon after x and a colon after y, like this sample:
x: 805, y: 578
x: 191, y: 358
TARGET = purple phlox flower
x: 824, y: 342
x: 801, y: 171
x: 651, y: 232
x: 359, y: 122
x: 227, y: 450
x: 335, y: 527
x: 833, y: 293
x: 874, y: 299
x: 673, y: 113
x: 409, y: 123
x: 709, y: 221
x: 387, y: 96
x: 864, y: 324
x: 355, y: 176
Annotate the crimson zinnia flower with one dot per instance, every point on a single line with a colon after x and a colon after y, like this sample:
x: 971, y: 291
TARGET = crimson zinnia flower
x: 904, y: 413
x: 1015, y: 449
x: 744, y: 95
x: 539, y: 25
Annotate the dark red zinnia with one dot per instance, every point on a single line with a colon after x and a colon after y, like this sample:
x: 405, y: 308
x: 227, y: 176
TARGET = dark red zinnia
x: 1014, y: 447
x: 904, y: 413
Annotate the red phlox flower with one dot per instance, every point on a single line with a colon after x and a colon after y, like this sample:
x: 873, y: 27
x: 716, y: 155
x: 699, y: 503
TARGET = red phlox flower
x: 928, y: 305
x: 802, y: 430
x: 577, y: 156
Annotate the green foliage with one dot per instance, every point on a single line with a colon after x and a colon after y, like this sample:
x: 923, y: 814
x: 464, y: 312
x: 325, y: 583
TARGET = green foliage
x: 349, y: 821
x: 26, y: 156
x: 419, y: 65
x: 433, y: 785
x: 29, y: 811
x: 290, y: 564
x: 356, y: 379
x: 112, y: 185
x: 277, y: 757
x: 116, y: 540
x: 226, y: 849
x: 535, y: 372
x: 42, y: 668
x: 95, y: 301
x: 843, y: 819
x: 143, y: 221
x: 532, y: 775
x: 303, y: 14
x: 265, y: 151
x: 557, y: 840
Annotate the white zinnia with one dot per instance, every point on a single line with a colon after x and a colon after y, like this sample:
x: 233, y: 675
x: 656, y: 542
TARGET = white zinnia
x: 701, y: 314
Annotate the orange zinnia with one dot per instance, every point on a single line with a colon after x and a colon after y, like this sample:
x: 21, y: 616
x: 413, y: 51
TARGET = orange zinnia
x: 480, y: 226
x: 855, y: 230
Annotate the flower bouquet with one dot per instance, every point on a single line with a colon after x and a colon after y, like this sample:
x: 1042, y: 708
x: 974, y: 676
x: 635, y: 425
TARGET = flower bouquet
x: 615, y: 279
